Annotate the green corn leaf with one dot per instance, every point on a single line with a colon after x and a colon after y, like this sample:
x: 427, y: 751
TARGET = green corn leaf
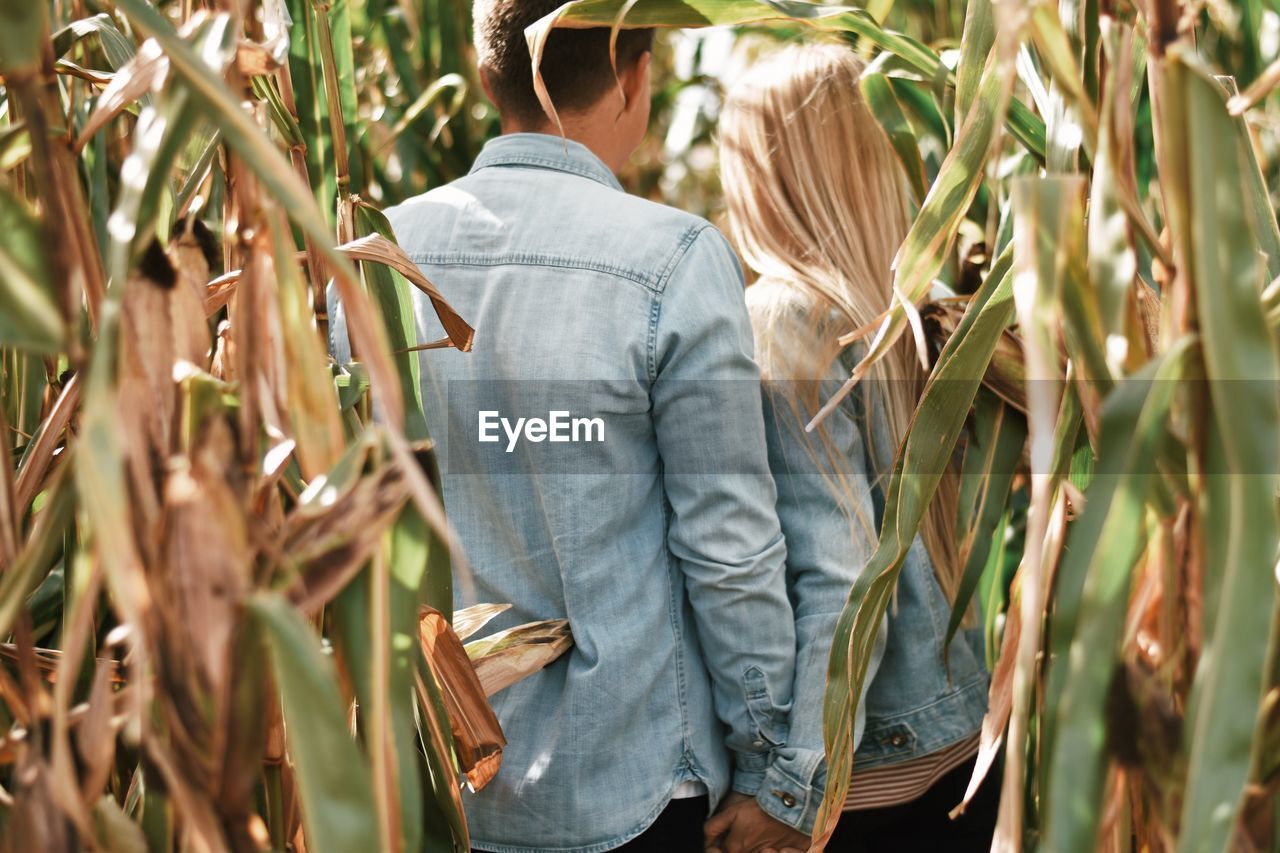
x: 359, y: 627
x: 1077, y: 118
x: 1249, y: 32
x: 976, y: 43
x: 29, y: 315
x: 1257, y: 199
x: 24, y: 30
x: 1000, y: 434
x: 1113, y: 263
x: 455, y: 84
x: 285, y: 124
x: 394, y: 295
x: 919, y: 104
x: 196, y: 174
x: 1102, y: 549
x: 888, y: 112
x: 332, y: 774
x: 702, y: 13
x: 997, y: 575
x: 313, y: 114
x: 117, y: 47
x: 1241, y: 368
x: 312, y: 402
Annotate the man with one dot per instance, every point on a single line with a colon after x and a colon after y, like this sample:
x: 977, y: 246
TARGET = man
x: 652, y: 527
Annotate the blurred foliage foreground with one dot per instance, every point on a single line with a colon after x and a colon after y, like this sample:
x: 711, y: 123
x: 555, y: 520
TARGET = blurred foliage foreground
x: 225, y: 591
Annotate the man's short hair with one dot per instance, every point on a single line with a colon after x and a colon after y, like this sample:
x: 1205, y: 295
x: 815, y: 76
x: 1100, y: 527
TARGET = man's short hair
x: 575, y: 63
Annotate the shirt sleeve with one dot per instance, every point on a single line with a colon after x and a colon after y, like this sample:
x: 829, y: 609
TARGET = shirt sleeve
x: 723, y: 529
x: 827, y: 516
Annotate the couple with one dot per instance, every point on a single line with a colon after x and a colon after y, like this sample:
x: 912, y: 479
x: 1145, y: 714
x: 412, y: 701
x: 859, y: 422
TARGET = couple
x: 704, y: 545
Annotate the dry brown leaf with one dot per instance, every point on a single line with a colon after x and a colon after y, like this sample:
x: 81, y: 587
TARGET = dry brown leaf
x: 331, y: 546
x: 35, y: 822
x: 519, y: 652
x: 71, y: 69
x: 208, y: 558
x: 190, y: 322
x: 96, y: 735
x: 1006, y: 373
x: 31, y: 476
x: 999, y: 702
x: 379, y: 249
x: 471, y: 619
x: 223, y: 363
x: 477, y: 734
x: 374, y: 249
x: 253, y: 59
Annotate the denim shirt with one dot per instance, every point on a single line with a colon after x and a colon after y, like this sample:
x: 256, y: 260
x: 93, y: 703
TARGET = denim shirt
x: 659, y: 542
x: 915, y: 702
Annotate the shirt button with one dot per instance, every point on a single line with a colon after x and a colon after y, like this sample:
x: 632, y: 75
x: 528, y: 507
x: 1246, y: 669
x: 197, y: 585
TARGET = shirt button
x: 787, y: 800
x: 898, y: 740
x: 757, y: 743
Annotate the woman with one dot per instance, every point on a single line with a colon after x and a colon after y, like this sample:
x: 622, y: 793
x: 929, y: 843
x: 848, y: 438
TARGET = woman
x: 817, y: 208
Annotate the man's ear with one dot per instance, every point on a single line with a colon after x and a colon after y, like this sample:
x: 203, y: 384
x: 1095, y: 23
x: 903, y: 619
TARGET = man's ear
x: 486, y: 84
x: 635, y: 80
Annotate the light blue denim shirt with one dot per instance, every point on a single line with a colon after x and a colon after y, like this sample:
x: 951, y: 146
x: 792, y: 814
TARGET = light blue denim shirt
x: 654, y: 534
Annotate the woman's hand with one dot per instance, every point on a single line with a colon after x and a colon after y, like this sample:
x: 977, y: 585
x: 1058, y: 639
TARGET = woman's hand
x: 741, y: 826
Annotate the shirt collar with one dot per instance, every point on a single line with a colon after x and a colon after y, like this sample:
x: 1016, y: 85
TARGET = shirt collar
x: 545, y: 151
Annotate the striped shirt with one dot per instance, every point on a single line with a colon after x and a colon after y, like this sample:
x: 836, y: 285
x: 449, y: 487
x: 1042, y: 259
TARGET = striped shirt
x: 896, y: 784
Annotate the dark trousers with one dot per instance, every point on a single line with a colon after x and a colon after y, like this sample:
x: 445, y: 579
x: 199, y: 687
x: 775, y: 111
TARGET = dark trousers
x: 678, y: 829
x: 922, y: 824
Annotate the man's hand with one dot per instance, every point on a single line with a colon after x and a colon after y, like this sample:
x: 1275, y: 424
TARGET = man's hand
x: 741, y: 826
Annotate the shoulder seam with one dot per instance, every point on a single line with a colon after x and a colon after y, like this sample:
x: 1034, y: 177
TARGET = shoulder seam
x: 691, y: 234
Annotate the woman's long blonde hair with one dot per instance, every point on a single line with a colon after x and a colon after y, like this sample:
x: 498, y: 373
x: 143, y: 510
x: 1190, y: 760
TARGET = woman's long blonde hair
x: 818, y: 208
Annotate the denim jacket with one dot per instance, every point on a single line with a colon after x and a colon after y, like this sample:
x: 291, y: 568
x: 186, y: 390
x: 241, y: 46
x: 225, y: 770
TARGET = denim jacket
x: 911, y: 706
x: 654, y: 534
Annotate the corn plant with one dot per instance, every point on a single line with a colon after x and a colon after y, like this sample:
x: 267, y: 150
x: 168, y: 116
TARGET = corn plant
x: 1093, y: 178
x: 225, y: 587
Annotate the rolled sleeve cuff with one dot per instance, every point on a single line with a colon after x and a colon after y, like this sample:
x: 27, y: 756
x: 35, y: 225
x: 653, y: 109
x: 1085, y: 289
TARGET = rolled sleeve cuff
x: 749, y: 772
x: 793, y: 786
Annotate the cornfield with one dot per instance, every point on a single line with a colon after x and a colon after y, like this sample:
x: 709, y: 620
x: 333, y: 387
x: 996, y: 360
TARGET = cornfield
x: 226, y: 585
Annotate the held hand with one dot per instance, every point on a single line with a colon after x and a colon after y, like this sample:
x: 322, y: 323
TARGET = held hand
x: 741, y: 826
